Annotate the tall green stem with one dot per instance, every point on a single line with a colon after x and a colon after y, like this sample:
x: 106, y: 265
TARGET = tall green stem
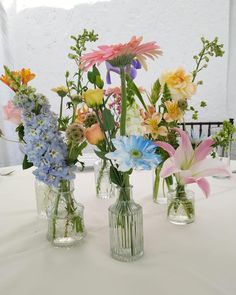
x: 60, y: 114
x: 123, y: 102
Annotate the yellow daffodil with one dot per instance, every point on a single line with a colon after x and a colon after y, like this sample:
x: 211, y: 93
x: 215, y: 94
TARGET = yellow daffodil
x: 174, y: 113
x: 179, y: 83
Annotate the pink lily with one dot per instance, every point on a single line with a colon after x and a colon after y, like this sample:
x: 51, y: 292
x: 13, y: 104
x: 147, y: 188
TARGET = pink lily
x: 189, y: 165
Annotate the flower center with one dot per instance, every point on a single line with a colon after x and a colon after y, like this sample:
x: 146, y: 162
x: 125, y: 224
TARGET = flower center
x: 136, y: 154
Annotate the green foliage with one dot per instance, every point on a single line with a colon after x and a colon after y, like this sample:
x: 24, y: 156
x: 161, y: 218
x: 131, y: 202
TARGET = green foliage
x: 203, y: 104
x: 74, y: 152
x: 94, y: 77
x: 224, y: 137
x: 209, y: 49
x: 132, y: 87
x: 20, y: 132
x: 108, y: 120
x: 26, y: 164
x: 116, y: 176
x: 155, y: 93
x: 166, y: 94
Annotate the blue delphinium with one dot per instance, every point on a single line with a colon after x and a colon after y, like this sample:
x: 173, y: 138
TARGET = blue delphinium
x: 44, y: 145
x: 134, y: 152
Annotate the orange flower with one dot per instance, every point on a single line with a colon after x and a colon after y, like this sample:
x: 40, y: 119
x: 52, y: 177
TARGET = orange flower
x: 151, y: 125
x: 148, y: 114
x: 26, y: 76
x: 81, y: 114
x: 174, y: 113
x: 94, y: 134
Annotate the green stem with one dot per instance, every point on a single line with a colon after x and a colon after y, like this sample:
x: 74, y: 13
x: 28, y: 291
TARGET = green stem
x: 156, y: 183
x: 123, y: 102
x: 100, y: 175
x: 60, y: 114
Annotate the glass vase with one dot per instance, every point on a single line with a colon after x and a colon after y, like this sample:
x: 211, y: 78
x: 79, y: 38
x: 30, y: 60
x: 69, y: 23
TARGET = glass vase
x: 65, y: 217
x: 161, y: 186
x: 180, y: 206
x: 223, y: 154
x: 104, y: 187
x: 126, y: 226
x: 43, y: 194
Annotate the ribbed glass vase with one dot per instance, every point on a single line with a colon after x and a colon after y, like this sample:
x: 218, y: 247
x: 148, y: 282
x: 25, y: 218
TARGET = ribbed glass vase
x: 104, y: 186
x: 180, y: 206
x: 126, y: 226
x: 65, y: 217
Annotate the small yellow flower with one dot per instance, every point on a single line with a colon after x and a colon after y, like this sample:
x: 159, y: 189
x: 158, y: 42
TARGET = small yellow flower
x: 174, y: 113
x: 179, y: 83
x: 61, y: 90
x: 94, y: 97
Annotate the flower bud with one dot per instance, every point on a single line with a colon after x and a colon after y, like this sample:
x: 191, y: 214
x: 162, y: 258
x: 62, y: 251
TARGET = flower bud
x: 94, y: 134
x: 93, y: 97
x: 90, y: 119
x: 75, y: 132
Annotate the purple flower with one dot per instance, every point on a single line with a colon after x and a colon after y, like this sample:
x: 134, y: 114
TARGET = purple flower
x: 130, y: 70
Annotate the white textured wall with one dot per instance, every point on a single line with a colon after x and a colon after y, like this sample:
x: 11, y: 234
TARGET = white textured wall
x: 40, y: 39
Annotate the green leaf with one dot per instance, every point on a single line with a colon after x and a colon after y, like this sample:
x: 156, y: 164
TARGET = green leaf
x: 136, y: 91
x: 26, y: 164
x: 108, y: 120
x: 20, y: 131
x: 96, y: 71
x: 116, y: 176
x: 91, y: 77
x: 99, y: 82
x: 101, y: 154
x: 166, y: 94
x: 155, y: 93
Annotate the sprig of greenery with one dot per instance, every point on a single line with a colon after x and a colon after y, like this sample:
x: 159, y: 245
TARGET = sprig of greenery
x: 209, y: 49
x: 224, y: 137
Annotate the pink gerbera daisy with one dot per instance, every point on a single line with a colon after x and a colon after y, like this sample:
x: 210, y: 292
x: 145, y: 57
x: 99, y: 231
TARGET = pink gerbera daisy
x: 120, y: 55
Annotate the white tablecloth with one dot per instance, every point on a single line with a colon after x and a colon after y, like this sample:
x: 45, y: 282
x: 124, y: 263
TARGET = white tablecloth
x: 198, y: 259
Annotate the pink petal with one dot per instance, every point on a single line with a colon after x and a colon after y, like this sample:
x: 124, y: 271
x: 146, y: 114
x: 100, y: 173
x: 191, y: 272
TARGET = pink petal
x: 210, y: 167
x: 184, y: 153
x: 168, y: 168
x: 204, y: 186
x: 204, y: 149
x: 166, y: 146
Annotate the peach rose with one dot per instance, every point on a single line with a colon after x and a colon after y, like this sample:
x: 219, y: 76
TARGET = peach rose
x: 94, y: 134
x: 11, y: 113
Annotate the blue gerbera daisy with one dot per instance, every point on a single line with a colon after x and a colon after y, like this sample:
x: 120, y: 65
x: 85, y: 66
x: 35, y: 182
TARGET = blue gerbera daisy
x: 134, y: 152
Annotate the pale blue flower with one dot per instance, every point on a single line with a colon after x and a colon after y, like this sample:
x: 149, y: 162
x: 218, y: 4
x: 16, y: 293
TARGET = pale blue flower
x: 134, y: 152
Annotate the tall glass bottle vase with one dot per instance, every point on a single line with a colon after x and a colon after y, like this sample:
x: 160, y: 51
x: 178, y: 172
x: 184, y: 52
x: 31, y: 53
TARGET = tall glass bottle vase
x: 104, y: 187
x: 180, y: 206
x: 161, y: 186
x: 65, y: 217
x: 126, y: 226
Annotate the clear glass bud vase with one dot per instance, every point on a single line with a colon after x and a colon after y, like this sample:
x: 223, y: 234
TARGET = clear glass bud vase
x: 126, y: 226
x: 104, y: 187
x: 161, y: 186
x: 43, y: 196
x: 65, y: 217
x: 180, y: 206
x: 223, y: 154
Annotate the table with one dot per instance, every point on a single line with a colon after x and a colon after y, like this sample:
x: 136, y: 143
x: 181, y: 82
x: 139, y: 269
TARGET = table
x: 198, y: 259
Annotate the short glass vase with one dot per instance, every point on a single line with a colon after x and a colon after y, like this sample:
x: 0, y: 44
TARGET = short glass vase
x: 223, y: 154
x: 180, y: 206
x: 126, y: 226
x: 104, y: 186
x: 65, y: 217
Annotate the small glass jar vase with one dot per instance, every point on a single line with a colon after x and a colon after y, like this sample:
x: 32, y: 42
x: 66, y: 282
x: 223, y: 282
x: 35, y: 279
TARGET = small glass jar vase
x: 65, y: 217
x: 126, y: 226
x: 223, y: 154
x: 180, y: 206
x: 43, y: 194
x: 167, y: 184
x: 104, y: 187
